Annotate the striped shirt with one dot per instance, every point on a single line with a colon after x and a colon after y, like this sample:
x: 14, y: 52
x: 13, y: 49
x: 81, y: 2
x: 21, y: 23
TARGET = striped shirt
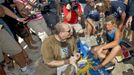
x: 37, y: 14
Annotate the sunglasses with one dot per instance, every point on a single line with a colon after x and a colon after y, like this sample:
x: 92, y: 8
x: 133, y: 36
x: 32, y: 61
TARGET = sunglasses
x: 69, y: 31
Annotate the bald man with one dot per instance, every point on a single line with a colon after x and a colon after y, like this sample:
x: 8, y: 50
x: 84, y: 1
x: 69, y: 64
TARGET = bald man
x: 57, y: 50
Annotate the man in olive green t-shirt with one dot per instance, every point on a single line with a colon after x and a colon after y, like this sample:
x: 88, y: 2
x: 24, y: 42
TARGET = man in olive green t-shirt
x: 59, y: 50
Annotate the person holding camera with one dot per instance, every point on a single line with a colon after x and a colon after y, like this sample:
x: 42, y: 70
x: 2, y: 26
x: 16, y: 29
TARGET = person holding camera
x: 18, y: 28
x: 35, y: 19
x: 72, y: 10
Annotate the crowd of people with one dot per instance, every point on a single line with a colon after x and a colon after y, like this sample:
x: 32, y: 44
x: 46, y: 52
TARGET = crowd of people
x: 102, y: 18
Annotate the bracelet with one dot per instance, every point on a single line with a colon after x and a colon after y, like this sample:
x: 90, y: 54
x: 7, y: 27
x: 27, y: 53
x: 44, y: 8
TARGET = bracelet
x: 66, y: 61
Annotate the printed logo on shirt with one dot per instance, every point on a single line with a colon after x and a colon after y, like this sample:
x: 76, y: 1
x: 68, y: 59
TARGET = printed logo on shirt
x: 93, y: 11
x: 117, y: 12
x: 64, y: 52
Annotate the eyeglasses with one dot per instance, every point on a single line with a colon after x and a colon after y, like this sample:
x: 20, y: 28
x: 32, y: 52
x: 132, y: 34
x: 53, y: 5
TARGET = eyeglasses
x: 68, y: 31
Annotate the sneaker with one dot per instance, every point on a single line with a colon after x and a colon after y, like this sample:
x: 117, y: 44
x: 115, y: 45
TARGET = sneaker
x: 119, y: 59
x: 109, y: 66
x: 29, y: 71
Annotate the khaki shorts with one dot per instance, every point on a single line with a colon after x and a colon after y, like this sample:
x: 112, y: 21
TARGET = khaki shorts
x: 77, y: 27
x: 40, y: 27
x: 8, y: 44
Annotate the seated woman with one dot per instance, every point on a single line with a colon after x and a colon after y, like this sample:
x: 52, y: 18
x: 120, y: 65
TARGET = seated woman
x: 109, y: 50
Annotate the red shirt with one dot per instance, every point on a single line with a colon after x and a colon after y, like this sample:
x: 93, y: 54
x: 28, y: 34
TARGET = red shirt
x: 74, y: 16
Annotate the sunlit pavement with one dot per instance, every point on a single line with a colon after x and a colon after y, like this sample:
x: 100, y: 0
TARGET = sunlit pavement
x: 122, y: 68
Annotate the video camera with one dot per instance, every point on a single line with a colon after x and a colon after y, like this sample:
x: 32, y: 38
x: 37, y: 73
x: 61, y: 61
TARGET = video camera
x: 37, y: 5
x: 32, y: 16
x: 72, y: 5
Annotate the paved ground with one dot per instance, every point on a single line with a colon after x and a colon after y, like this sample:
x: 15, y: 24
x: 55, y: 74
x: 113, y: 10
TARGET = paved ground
x: 123, y: 68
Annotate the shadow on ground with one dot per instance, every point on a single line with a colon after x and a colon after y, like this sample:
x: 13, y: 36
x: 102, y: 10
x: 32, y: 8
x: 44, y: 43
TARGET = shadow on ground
x: 128, y: 72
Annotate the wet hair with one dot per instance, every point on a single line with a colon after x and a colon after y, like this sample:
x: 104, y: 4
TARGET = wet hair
x: 110, y: 18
